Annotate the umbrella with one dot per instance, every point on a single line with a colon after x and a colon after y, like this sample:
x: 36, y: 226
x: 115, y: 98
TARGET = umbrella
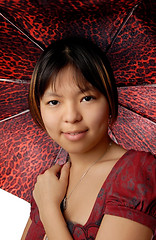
x: 124, y: 29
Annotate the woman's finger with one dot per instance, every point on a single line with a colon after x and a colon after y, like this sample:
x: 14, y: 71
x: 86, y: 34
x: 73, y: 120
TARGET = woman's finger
x: 56, y: 168
x: 65, y: 172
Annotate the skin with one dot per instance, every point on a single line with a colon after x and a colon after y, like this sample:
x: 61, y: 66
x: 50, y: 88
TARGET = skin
x: 79, y: 122
x: 74, y: 112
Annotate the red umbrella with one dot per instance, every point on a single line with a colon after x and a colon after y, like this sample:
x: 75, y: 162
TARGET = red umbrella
x: 124, y: 29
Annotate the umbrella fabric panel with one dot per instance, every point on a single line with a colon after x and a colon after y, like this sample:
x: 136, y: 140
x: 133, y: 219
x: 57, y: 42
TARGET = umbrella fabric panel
x: 133, y: 53
x: 25, y: 152
x: 139, y: 99
x: 65, y: 19
x: 14, y: 98
x: 132, y: 131
x: 125, y: 27
x: 116, y: 27
x: 37, y: 17
x: 18, y: 53
x: 57, y: 21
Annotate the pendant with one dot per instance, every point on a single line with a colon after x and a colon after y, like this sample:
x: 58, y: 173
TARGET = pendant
x: 64, y: 203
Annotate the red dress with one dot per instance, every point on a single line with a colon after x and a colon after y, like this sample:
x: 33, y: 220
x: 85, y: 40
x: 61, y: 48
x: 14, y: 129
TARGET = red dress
x: 129, y: 192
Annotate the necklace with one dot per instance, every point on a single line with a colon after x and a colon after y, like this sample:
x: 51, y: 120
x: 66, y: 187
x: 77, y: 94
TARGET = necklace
x: 64, y: 202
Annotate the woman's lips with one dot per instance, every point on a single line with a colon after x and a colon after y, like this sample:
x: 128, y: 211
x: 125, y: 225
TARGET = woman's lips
x: 75, y: 136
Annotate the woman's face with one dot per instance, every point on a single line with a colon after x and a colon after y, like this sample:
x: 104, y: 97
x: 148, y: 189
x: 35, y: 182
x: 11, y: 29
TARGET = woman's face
x: 76, y: 120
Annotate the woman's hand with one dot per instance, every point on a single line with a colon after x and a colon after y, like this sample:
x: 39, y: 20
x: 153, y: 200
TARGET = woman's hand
x: 51, y: 187
x: 48, y: 193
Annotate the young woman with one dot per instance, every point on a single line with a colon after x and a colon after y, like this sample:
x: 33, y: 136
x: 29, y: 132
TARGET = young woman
x: 103, y: 191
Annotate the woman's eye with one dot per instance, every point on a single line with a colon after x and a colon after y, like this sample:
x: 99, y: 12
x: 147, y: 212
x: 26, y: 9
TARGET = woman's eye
x: 53, y: 102
x: 88, y: 98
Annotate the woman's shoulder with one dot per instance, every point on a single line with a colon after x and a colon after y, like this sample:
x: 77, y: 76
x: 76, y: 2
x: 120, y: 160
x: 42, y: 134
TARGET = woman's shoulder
x: 123, y: 155
x: 139, y: 159
x: 132, y: 188
x: 133, y: 178
x: 139, y: 154
x: 131, y: 162
x: 132, y: 168
x: 136, y: 165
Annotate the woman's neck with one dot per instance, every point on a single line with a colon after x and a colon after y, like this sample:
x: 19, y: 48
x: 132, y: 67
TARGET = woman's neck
x: 83, y: 160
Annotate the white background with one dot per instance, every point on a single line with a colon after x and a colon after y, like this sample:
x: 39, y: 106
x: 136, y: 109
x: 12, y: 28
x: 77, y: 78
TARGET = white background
x: 14, y: 213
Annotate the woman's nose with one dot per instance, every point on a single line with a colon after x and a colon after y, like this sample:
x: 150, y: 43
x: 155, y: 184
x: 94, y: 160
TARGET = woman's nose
x: 72, y: 114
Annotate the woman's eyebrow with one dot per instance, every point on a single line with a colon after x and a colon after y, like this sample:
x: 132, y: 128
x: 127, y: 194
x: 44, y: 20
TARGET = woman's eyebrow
x: 80, y: 91
x: 86, y: 89
x: 52, y: 94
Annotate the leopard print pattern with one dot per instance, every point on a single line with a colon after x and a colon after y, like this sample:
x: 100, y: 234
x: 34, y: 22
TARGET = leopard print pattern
x: 123, y: 29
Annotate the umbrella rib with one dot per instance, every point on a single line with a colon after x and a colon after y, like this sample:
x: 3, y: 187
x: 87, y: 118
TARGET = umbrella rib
x: 111, y: 131
x: 61, y: 149
x: 16, y: 115
x: 137, y: 86
x: 21, y: 31
x: 122, y: 25
x: 14, y: 81
x: 137, y: 113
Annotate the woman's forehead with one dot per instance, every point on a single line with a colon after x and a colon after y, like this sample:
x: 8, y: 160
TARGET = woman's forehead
x: 70, y: 75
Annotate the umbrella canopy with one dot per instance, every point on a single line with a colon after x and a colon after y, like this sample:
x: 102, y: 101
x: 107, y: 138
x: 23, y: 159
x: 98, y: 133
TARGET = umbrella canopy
x: 123, y: 29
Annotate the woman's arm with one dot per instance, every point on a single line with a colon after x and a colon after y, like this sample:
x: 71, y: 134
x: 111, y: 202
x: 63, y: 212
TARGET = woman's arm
x: 55, y: 227
x: 118, y: 228
x: 26, y: 229
x: 48, y: 193
x: 112, y: 227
